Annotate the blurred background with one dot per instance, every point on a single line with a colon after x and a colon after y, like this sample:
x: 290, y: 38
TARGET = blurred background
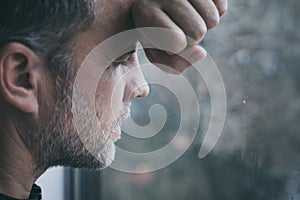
x: 257, y: 49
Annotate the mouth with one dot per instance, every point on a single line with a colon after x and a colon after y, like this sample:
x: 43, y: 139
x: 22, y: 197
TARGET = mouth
x: 115, y: 134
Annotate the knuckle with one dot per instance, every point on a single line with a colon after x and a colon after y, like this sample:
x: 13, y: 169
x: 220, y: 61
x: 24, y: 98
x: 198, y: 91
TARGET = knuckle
x: 176, y: 41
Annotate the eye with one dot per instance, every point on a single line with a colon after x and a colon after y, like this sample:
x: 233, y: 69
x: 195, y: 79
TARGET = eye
x: 125, y: 57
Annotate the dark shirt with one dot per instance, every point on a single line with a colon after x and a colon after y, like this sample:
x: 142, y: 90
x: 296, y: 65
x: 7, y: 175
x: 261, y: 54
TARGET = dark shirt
x: 35, y: 194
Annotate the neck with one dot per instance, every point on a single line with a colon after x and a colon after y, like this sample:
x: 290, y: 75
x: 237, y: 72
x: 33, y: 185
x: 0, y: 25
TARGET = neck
x: 17, y: 169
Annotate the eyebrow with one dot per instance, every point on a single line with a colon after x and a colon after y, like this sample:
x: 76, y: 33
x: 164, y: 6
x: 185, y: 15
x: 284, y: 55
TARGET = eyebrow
x: 128, y: 53
x: 132, y: 47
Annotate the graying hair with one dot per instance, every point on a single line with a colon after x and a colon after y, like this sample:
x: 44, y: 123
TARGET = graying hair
x: 46, y: 26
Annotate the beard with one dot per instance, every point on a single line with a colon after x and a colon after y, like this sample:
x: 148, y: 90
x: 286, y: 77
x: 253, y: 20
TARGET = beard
x: 86, y: 142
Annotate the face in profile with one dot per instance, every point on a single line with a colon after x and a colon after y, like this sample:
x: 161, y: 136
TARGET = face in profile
x: 86, y: 138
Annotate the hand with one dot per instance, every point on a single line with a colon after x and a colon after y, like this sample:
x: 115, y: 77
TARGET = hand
x: 190, y: 18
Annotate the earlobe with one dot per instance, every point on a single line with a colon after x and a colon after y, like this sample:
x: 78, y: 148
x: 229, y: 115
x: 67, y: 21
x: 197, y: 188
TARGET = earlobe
x: 19, y: 77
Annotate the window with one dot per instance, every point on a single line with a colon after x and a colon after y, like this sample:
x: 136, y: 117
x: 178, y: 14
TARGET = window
x: 257, y: 49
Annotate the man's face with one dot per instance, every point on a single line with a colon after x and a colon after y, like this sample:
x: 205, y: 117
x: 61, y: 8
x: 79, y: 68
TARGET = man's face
x: 92, y: 146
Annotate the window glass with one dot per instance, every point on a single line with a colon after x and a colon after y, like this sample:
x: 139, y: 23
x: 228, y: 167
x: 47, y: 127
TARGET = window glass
x: 256, y: 48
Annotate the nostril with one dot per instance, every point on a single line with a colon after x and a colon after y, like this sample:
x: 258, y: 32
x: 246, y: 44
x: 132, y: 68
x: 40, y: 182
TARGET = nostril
x: 142, y: 91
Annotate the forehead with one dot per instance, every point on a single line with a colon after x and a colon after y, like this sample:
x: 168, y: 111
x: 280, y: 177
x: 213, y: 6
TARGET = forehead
x: 113, y: 3
x: 112, y: 17
x: 112, y: 10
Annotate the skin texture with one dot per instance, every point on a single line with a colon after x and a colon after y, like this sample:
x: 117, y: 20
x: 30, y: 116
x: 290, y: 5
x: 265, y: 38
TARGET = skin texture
x: 192, y: 18
x: 36, y: 126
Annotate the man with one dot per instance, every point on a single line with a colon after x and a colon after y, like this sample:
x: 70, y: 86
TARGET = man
x: 42, y: 46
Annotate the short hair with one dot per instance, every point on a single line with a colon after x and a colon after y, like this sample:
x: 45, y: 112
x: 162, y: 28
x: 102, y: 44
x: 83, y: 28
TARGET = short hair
x: 45, y: 26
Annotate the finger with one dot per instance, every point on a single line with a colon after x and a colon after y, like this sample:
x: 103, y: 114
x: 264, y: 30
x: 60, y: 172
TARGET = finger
x: 152, y: 16
x: 222, y: 6
x: 177, y: 63
x: 187, y: 18
x: 208, y: 11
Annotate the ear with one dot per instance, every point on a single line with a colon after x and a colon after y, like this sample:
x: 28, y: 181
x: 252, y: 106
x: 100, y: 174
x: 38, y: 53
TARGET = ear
x: 19, y: 77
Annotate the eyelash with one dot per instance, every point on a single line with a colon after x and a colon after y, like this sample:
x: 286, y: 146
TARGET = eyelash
x: 123, y: 59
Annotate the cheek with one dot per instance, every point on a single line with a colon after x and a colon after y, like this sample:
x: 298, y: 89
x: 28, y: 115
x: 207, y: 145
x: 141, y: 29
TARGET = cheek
x: 47, y: 98
x: 109, y: 96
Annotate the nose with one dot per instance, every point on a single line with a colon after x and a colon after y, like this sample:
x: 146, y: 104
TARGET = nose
x: 136, y: 86
x: 141, y: 91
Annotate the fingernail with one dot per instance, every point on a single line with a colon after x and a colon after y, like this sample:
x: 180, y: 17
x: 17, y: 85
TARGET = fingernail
x: 198, y: 55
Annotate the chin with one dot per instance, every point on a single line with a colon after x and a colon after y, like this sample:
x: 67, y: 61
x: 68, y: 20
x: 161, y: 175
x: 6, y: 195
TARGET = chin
x: 107, y: 156
x: 96, y: 160
x: 85, y: 156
